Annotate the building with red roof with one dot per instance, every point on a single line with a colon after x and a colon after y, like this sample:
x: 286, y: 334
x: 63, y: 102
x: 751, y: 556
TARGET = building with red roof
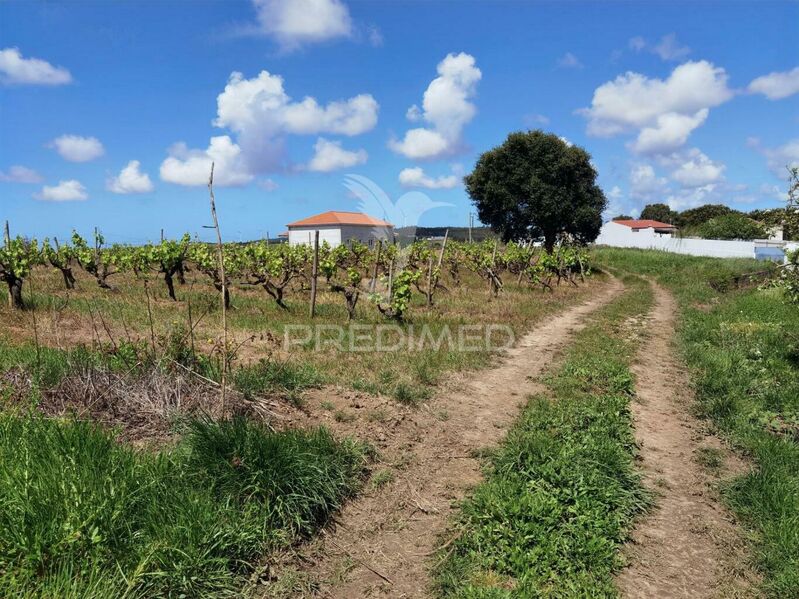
x: 336, y: 227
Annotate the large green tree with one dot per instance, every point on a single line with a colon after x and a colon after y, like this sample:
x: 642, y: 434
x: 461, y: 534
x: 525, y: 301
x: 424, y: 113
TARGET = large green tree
x: 697, y: 216
x: 535, y: 185
x: 658, y: 212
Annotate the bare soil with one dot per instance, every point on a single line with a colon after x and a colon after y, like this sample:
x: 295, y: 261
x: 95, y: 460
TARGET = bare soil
x: 382, y: 543
x: 688, y: 545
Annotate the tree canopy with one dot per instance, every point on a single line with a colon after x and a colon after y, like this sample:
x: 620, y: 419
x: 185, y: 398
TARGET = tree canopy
x: 623, y: 217
x: 697, y: 216
x: 536, y: 185
x: 731, y: 226
x: 658, y: 212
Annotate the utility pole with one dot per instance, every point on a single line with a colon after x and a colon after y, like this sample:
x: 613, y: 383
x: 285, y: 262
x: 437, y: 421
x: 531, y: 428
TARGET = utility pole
x: 471, y: 224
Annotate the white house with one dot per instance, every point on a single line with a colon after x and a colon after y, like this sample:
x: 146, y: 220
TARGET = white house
x: 336, y: 227
x: 633, y: 233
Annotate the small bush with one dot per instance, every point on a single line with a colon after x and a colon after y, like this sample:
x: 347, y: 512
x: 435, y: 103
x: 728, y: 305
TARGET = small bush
x: 268, y: 376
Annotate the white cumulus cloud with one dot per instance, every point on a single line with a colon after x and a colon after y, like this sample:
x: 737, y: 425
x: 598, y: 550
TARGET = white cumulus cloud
x: 186, y: 166
x: 645, y: 185
x: 261, y: 113
x: 77, y: 149
x: 776, y: 86
x: 446, y: 107
x: 695, y: 169
x: 293, y: 23
x: 663, y: 111
x: 66, y: 191
x: 416, y: 177
x: 20, y: 174
x: 670, y: 131
x: 17, y: 70
x: 330, y: 156
x: 692, y: 197
x: 778, y: 159
x: 130, y: 180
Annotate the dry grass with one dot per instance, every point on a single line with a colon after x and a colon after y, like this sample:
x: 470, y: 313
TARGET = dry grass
x: 95, y: 317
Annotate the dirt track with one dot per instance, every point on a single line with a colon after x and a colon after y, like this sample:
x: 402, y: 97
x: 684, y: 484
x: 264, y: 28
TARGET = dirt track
x: 381, y: 543
x: 688, y: 545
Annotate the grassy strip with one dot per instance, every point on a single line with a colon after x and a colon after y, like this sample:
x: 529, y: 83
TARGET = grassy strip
x: 561, y: 492
x: 50, y: 365
x: 743, y: 349
x: 83, y: 516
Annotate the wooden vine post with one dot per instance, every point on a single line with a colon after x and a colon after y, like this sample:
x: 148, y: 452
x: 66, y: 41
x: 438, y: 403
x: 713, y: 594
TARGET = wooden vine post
x: 438, y: 269
x: 376, y: 270
x: 314, y: 272
x: 221, y: 258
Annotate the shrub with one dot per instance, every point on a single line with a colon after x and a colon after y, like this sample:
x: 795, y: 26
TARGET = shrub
x: 731, y: 226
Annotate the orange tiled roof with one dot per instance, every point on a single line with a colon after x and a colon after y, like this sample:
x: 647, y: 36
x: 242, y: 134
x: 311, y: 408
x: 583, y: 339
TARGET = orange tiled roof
x: 336, y: 217
x: 645, y: 224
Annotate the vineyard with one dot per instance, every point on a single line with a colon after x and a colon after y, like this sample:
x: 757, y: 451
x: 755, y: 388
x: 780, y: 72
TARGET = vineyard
x: 130, y: 344
x: 141, y: 298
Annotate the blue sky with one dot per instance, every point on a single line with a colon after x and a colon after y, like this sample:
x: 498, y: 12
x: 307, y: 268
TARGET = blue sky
x: 108, y: 109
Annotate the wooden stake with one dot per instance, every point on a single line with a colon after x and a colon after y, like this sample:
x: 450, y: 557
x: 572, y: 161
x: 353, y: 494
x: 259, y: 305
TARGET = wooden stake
x: 96, y: 248
x: 7, y: 235
x: 373, y: 284
x: 150, y: 316
x: 438, y: 267
x: 35, y: 327
x: 191, y: 323
x: 430, y: 281
x: 314, y: 272
x: 221, y: 257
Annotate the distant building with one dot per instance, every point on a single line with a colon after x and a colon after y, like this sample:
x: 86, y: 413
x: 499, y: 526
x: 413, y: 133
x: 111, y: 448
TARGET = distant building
x: 337, y: 227
x: 620, y: 233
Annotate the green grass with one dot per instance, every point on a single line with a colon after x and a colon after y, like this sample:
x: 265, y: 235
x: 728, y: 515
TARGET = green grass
x: 561, y: 492
x: 83, y: 516
x: 743, y: 350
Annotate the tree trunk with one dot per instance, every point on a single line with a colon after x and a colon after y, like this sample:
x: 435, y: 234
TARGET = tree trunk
x: 352, y: 300
x: 69, y: 278
x: 14, y: 292
x: 276, y: 292
x: 182, y: 274
x: 101, y: 281
x: 549, y: 241
x: 170, y: 285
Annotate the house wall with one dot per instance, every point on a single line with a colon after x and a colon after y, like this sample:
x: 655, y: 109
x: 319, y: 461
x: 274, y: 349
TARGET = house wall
x: 335, y: 235
x: 305, y: 235
x: 365, y: 234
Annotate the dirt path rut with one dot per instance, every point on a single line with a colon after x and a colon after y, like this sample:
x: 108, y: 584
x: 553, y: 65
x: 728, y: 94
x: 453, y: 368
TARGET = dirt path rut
x: 382, y: 542
x: 688, y: 545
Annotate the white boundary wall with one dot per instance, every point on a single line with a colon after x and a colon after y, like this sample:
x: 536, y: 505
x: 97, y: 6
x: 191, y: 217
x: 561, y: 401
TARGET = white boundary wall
x: 616, y: 235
